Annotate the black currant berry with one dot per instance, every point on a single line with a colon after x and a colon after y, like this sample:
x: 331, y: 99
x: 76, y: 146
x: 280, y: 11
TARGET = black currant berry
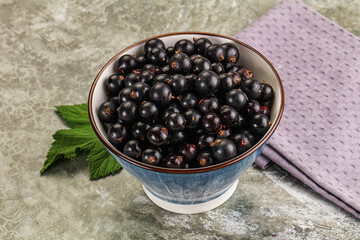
x: 139, y: 130
x: 205, y: 141
x: 151, y: 156
x: 146, y: 76
x: 178, y: 84
x: 211, y: 122
x: 148, y: 110
x: 158, y: 56
x: 190, y: 80
x: 229, y: 116
x: 161, y: 78
x: 141, y: 61
x: 153, y: 43
x: 253, y: 138
x: 128, y: 111
x: 175, y: 122
x: 266, y: 111
x: 184, y: 46
x: 267, y: 93
x: 107, y: 112
x: 236, y: 99
x: 193, y: 57
x: 200, y: 64
x: 126, y: 64
x: 188, y: 151
x: 242, y: 143
x: 131, y: 78
x: 223, y: 150
x: 231, y: 52
x: 253, y: 107
x: 152, y: 68
x: 207, y: 83
x: 117, y: 134
x: 158, y: 135
x: 240, y: 123
x: 114, y: 83
x: 259, y: 124
x: 192, y: 118
x: 172, y: 108
x: 170, y: 51
x: 217, y: 68
x: 180, y: 63
x: 232, y: 67
x: 132, y: 149
x: 204, y: 159
x: 226, y: 82
x: 245, y: 73
x: 215, y: 53
x: 124, y: 95
x: 236, y: 78
x: 173, y: 161
x: 160, y: 94
x: 252, y: 88
x: 139, y: 91
x: 207, y: 105
x: 114, y: 100
x: 188, y: 101
x: 200, y: 44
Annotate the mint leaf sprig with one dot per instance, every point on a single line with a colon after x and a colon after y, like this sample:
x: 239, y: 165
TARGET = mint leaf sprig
x: 70, y: 143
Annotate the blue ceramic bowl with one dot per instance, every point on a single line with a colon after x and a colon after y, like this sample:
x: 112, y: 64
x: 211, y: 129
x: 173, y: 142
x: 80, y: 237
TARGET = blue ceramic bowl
x: 200, y: 189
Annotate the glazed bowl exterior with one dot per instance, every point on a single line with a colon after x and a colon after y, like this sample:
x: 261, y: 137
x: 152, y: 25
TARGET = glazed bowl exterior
x: 183, y: 187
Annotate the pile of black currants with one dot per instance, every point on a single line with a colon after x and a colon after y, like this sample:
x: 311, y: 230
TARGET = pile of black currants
x: 185, y: 106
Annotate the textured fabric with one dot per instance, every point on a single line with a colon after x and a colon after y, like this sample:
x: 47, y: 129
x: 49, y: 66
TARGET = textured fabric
x: 318, y: 138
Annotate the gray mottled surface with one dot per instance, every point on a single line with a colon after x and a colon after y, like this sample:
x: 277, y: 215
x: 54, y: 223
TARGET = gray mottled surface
x: 49, y: 55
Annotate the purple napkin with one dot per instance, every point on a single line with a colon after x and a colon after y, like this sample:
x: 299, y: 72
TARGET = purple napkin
x: 318, y: 139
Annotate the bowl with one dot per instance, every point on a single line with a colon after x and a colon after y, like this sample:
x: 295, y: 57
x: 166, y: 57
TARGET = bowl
x: 196, y: 190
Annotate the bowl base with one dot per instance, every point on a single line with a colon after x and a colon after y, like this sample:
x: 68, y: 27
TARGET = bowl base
x: 192, y: 208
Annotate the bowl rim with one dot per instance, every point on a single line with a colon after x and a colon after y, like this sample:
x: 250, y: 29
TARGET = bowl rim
x: 190, y: 170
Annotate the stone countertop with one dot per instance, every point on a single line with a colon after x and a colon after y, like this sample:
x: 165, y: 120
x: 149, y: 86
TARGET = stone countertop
x: 50, y: 54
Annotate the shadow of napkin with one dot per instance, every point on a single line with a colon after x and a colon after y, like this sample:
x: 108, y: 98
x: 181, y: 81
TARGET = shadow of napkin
x: 318, y: 139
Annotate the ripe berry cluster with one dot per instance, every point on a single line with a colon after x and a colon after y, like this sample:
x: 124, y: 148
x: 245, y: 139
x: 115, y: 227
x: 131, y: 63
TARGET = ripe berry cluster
x: 185, y: 106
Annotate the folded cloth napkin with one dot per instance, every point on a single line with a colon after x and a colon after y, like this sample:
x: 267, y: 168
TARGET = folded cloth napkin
x: 318, y: 138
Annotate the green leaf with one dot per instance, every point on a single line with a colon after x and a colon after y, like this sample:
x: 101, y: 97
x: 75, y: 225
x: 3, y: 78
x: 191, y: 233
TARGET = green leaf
x: 101, y: 163
x: 75, y: 115
x: 69, y: 143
